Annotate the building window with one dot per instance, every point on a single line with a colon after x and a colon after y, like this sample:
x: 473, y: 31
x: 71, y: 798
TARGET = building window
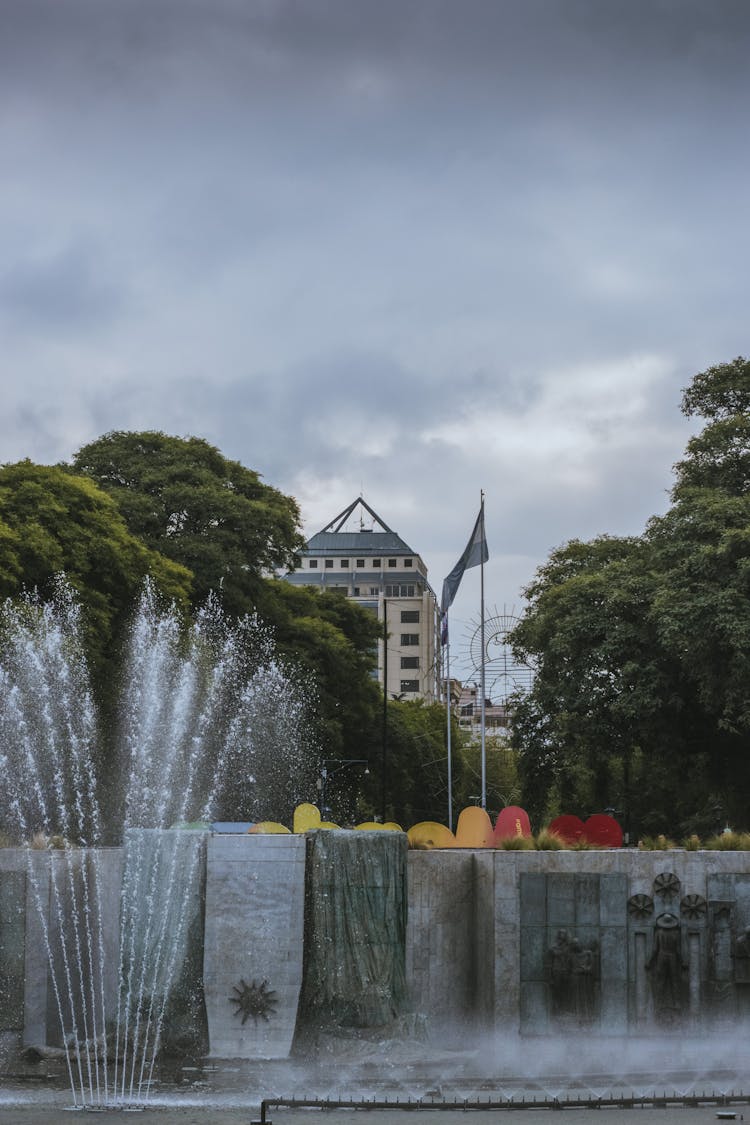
x: 409, y: 616
x: 356, y: 592
x: 408, y: 562
x: 392, y: 562
x: 360, y: 564
x: 409, y: 639
x: 329, y: 564
x: 313, y: 564
x: 409, y: 661
x: 374, y: 591
x: 345, y: 564
x: 399, y: 591
x: 376, y: 562
x: 410, y: 685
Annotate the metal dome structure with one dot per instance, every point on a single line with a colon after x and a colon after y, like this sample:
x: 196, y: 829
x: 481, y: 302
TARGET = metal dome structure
x: 504, y: 675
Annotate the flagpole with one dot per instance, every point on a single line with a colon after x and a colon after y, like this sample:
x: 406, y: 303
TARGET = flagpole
x: 448, y: 726
x: 474, y: 554
x: 481, y: 618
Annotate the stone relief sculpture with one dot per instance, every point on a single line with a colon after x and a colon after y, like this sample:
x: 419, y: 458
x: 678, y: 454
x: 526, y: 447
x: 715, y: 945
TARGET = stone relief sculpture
x: 666, y: 967
x: 572, y: 971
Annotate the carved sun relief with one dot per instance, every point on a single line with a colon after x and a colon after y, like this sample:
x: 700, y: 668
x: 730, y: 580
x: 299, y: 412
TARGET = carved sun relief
x: 254, y: 1000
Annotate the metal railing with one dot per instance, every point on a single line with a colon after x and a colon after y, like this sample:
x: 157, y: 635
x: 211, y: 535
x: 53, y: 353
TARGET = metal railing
x: 653, y: 1100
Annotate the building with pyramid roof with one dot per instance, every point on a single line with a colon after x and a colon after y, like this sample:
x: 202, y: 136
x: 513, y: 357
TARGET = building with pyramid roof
x: 358, y: 556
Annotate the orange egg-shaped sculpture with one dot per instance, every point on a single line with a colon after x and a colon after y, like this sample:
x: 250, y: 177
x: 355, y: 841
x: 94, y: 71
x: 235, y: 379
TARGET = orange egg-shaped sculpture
x: 474, y: 829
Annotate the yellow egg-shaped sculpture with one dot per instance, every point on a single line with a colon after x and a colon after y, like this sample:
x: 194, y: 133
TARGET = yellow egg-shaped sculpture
x: 430, y: 834
x: 306, y: 816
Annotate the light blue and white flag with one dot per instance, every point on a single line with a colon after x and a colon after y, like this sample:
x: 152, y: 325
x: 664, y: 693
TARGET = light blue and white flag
x: 476, y: 552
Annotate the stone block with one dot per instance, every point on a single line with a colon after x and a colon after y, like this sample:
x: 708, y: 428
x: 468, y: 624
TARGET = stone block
x: 533, y: 1009
x: 561, y: 900
x: 613, y: 900
x: 613, y: 953
x: 586, y: 889
x: 534, y: 943
x: 533, y: 899
x: 253, y: 933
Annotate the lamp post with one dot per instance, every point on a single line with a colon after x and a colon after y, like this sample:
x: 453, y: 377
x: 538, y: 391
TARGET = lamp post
x: 329, y: 768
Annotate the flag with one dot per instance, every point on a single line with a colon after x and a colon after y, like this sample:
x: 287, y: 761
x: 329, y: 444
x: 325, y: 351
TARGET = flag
x: 443, y: 629
x: 476, y: 552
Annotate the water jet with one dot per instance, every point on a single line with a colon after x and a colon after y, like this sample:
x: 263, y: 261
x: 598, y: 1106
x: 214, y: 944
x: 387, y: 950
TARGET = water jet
x: 488, y: 968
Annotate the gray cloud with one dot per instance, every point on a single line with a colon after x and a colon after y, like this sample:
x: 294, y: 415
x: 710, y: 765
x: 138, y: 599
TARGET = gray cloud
x: 410, y: 249
x: 63, y: 290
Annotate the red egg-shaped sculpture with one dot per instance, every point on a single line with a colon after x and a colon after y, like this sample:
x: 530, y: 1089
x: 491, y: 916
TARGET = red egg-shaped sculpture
x: 569, y: 828
x: 512, y: 821
x: 604, y: 831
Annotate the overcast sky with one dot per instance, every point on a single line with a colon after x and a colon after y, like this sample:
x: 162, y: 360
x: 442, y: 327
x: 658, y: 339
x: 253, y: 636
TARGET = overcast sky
x: 409, y: 248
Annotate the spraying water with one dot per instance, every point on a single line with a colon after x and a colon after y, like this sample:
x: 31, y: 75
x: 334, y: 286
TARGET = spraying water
x: 201, y: 705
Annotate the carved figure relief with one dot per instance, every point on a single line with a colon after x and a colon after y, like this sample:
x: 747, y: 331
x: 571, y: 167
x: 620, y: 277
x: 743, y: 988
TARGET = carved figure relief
x: 666, y: 967
x: 572, y: 971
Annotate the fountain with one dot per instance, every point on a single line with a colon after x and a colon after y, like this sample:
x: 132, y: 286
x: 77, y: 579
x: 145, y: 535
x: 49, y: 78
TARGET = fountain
x: 146, y: 937
x: 197, y: 700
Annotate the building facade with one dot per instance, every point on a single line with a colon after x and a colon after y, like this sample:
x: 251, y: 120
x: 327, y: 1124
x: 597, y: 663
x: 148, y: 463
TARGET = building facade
x: 374, y: 566
x: 496, y: 715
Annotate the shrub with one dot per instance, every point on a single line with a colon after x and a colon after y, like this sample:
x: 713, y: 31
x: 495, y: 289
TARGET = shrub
x: 659, y: 843
x: 517, y: 844
x: 547, y: 841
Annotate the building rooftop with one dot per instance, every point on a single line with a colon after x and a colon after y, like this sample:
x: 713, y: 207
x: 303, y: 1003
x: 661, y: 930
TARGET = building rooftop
x: 358, y: 543
x: 365, y: 541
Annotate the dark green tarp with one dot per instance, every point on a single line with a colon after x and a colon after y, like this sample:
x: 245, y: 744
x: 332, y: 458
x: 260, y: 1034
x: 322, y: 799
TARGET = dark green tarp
x: 355, y: 929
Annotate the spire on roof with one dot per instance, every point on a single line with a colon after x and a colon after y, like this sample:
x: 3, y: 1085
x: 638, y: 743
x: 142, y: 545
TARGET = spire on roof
x: 342, y: 517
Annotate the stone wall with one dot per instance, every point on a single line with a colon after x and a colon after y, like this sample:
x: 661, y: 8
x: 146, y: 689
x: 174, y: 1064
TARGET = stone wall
x: 529, y: 943
x: 483, y: 928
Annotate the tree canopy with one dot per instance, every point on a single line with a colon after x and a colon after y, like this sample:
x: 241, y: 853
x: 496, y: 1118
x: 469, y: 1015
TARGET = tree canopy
x: 137, y: 504
x: 183, y: 498
x: 642, y: 647
x: 51, y: 522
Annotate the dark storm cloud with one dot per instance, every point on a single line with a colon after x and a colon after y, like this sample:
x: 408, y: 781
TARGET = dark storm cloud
x: 414, y: 249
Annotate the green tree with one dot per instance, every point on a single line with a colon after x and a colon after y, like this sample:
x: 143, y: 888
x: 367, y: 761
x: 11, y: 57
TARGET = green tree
x: 335, y: 641
x: 52, y: 521
x: 606, y: 714
x: 183, y: 498
x: 503, y: 783
x: 643, y: 646
x: 416, y: 764
x: 722, y: 391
